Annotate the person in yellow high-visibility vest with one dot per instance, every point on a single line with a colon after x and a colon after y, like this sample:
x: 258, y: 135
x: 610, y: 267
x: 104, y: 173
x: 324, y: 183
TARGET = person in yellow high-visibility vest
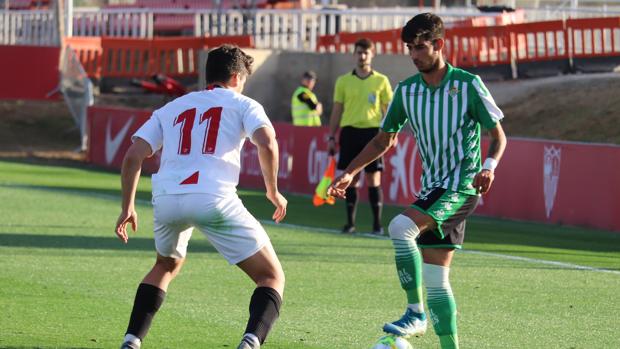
x: 305, y: 107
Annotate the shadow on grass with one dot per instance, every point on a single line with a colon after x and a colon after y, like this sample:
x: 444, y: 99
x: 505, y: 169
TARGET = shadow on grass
x: 55, y: 347
x: 91, y: 192
x: 198, y: 244
x: 88, y: 242
x: 482, y: 231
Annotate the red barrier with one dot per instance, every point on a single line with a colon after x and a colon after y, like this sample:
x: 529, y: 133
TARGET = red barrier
x: 110, y: 130
x: 539, y: 41
x: 594, y: 37
x: 29, y: 72
x: 126, y: 57
x: 468, y: 45
x: 505, y: 18
x: 239, y: 40
x: 176, y: 56
x: 134, y: 58
x: 557, y: 189
x: 90, y: 52
x: 479, y: 46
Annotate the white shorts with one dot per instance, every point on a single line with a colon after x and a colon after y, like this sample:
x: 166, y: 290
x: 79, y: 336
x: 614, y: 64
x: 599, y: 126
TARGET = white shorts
x: 226, y: 223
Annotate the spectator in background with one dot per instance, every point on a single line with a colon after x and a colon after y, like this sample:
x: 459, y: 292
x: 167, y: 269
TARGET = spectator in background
x: 305, y: 107
x: 361, y: 98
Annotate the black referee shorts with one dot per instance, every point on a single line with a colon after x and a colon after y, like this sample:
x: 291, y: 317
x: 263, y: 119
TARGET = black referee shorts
x: 352, y: 141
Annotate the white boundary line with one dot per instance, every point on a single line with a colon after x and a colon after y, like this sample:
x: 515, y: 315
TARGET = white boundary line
x: 334, y: 231
x: 474, y: 252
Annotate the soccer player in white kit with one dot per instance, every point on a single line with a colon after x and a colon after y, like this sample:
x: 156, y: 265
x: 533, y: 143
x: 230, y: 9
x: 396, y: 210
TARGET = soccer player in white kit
x: 201, y: 135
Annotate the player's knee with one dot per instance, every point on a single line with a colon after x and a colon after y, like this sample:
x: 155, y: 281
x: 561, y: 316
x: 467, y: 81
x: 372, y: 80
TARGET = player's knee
x: 169, y: 264
x: 403, y: 228
x: 272, y: 277
x: 436, y: 276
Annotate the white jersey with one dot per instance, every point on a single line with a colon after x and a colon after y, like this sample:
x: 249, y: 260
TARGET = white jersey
x: 201, y: 134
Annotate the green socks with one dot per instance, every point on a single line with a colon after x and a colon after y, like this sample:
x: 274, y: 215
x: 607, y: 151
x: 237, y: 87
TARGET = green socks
x: 409, y: 268
x: 441, y: 305
x: 449, y: 341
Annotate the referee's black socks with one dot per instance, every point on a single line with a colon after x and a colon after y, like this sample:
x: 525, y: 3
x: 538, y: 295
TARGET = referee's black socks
x: 351, y: 200
x: 264, y: 311
x: 375, y: 197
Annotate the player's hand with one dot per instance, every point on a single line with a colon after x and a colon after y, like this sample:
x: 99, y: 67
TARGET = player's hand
x: 339, y: 186
x: 280, y: 203
x: 331, y: 146
x: 483, y: 181
x: 125, y: 218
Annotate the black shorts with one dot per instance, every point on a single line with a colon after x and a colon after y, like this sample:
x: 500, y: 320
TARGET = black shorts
x: 449, y: 209
x: 352, y: 141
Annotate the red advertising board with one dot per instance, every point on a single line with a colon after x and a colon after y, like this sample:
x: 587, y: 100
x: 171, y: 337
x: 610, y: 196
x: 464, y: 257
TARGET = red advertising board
x: 543, y: 181
x: 29, y: 72
x: 110, y: 131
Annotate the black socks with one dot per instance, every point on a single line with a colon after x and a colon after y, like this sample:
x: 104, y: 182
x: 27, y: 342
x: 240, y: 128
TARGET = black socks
x: 148, y: 300
x: 375, y: 197
x: 264, y: 311
x: 351, y: 201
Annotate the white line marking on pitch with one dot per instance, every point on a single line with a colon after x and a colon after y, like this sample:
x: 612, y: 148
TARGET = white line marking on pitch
x: 334, y: 231
x: 481, y: 253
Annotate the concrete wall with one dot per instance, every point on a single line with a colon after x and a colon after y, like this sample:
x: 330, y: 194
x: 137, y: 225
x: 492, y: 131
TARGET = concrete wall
x: 277, y: 75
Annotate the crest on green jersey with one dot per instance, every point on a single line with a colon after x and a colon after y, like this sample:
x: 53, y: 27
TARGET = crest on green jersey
x: 454, y: 91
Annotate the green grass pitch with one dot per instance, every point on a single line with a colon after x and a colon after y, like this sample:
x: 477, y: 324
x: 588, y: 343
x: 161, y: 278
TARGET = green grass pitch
x: 67, y: 282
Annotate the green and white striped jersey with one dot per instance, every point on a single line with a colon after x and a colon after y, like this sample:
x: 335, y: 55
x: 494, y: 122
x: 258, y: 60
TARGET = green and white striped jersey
x: 446, y: 122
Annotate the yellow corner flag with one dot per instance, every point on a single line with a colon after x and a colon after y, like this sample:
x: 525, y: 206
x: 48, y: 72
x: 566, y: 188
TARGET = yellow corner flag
x: 320, y: 193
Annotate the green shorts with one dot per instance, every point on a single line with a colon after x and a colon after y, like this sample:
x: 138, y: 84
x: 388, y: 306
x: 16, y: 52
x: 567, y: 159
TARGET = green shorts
x: 449, y: 209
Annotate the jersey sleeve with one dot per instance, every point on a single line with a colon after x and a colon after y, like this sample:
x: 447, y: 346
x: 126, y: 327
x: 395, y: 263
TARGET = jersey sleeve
x: 254, y: 118
x: 396, y: 116
x: 151, y: 132
x: 386, y: 92
x: 339, y: 91
x: 484, y: 108
x: 304, y: 98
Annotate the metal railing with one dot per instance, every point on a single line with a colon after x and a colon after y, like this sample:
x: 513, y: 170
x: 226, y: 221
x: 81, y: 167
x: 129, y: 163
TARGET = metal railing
x: 37, y: 27
x: 296, y: 30
x: 137, y: 23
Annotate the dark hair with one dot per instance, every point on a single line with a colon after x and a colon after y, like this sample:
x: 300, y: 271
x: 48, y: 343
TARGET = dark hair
x: 426, y: 26
x: 365, y: 44
x: 225, y: 61
x: 309, y: 74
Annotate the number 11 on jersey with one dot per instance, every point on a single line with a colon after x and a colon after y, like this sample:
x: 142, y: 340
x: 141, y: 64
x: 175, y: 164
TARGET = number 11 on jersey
x: 186, y: 119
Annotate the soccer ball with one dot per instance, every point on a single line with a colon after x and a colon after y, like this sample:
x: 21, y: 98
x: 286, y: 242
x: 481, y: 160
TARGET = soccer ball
x: 392, y: 342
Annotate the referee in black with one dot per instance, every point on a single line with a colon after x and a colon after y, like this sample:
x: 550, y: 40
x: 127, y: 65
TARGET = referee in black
x: 361, y: 98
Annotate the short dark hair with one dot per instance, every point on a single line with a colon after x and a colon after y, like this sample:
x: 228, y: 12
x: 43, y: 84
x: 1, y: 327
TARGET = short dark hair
x: 225, y: 61
x: 365, y: 44
x: 426, y: 26
x: 309, y: 74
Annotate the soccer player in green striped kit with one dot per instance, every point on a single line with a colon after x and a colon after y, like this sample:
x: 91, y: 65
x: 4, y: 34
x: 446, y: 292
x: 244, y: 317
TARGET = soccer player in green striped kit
x: 447, y: 108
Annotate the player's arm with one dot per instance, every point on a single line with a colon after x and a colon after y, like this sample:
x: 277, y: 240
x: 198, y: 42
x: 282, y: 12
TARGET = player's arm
x: 265, y: 140
x: 334, y: 123
x: 484, y: 179
x: 130, y: 175
x: 373, y: 150
x: 386, y: 97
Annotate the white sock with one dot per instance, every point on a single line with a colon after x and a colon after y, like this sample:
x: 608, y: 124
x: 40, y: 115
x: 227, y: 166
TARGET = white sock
x: 417, y: 308
x: 253, y: 338
x: 132, y: 339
